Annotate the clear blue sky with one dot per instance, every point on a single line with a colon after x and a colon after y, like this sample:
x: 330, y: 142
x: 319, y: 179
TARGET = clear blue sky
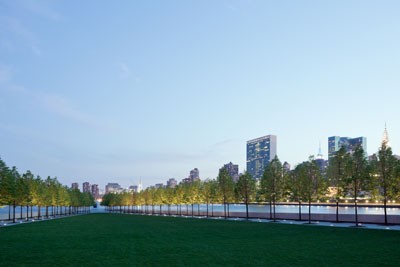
x: 101, y: 91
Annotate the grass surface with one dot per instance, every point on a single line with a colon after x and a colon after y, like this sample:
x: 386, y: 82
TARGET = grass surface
x: 134, y: 240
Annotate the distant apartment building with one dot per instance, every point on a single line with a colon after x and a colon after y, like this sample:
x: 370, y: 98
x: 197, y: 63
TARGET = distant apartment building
x: 233, y: 170
x: 75, y: 186
x: 322, y: 165
x: 350, y: 144
x: 171, y: 183
x: 286, y: 167
x: 186, y: 180
x: 194, y: 174
x: 95, y: 191
x: 86, y: 187
x: 260, y: 152
x: 135, y: 188
x: 113, y: 188
x: 160, y: 185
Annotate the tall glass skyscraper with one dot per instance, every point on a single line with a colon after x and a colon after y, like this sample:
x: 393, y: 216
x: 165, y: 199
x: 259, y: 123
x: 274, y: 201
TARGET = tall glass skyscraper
x: 336, y: 142
x: 260, y: 152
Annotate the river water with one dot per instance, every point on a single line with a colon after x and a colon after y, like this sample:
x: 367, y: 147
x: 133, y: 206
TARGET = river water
x: 281, y: 208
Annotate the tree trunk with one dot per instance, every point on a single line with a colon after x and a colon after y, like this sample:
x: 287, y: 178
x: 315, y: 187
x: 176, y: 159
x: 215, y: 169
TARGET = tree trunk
x: 247, y: 210
x: 356, y: 211
x: 224, y: 208
x: 14, y: 212
x: 355, y: 201
x: 384, y: 208
x: 337, y: 211
x: 270, y: 209
x: 274, y: 209
x: 299, y: 210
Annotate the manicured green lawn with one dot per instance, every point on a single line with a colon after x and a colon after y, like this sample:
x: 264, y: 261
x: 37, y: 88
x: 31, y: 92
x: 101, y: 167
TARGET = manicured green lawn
x: 134, y: 240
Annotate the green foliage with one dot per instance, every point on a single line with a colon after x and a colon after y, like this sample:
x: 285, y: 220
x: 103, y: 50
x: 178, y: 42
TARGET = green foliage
x: 7, y: 184
x: 272, y: 181
x: 210, y: 191
x: 307, y: 182
x: 26, y: 190
x: 358, y: 173
x: 387, y: 173
x: 246, y: 188
x: 337, y: 172
x: 226, y: 186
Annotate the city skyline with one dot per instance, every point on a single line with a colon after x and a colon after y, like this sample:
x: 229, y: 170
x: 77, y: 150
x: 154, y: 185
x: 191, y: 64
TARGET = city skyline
x: 319, y: 157
x: 149, y: 91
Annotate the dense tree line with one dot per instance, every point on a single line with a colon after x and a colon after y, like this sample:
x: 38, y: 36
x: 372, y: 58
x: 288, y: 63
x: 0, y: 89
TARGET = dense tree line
x: 27, y: 191
x: 349, y: 176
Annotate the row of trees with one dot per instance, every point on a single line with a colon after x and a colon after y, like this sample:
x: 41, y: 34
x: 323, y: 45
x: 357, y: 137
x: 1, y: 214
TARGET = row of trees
x: 26, y: 190
x: 349, y: 175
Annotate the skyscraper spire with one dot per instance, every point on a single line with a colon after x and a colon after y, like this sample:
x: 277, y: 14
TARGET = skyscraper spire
x: 385, y: 139
x: 319, y: 155
x: 140, y: 188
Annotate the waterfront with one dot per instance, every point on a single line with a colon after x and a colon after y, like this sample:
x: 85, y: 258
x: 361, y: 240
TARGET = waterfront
x: 283, y: 211
x: 324, y: 212
x: 279, y: 208
x: 6, y: 212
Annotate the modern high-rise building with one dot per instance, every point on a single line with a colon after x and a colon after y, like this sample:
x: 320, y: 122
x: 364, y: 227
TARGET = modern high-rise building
x: 260, y: 152
x: 336, y: 142
x: 86, y: 187
x: 320, y: 161
x: 75, y: 186
x: 95, y: 191
x: 385, y: 138
x: 233, y: 170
